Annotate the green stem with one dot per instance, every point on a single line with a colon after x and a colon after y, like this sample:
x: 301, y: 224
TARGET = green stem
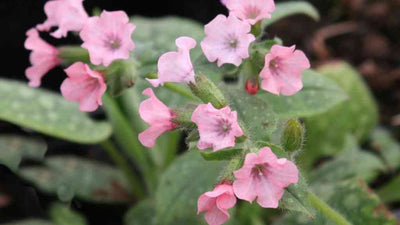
x: 327, y: 210
x: 120, y: 161
x: 127, y: 138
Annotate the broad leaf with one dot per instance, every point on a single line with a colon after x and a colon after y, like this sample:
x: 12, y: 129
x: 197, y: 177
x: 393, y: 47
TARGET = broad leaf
x: 353, y: 199
x: 63, y: 215
x: 141, y: 213
x: 347, y: 165
x: 387, y: 147
x: 286, y: 9
x: 48, y: 113
x: 319, y: 94
x: 30, y: 222
x: 16, y: 148
x: 176, y: 197
x: 69, y: 176
x: 357, y: 116
x: 390, y: 192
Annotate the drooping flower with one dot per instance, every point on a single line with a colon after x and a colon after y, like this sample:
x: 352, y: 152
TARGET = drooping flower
x: 176, y: 66
x: 227, y: 40
x: 282, y: 71
x: 217, y: 127
x: 157, y: 115
x: 108, y: 37
x: 84, y: 85
x: 264, y: 176
x: 217, y: 203
x: 68, y: 15
x: 43, y: 57
x: 251, y: 11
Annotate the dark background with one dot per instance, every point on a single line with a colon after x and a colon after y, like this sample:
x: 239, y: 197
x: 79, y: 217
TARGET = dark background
x: 372, y: 45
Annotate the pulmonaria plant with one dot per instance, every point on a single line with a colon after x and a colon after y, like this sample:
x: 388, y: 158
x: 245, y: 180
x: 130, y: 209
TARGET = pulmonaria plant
x: 213, y: 120
x: 176, y: 66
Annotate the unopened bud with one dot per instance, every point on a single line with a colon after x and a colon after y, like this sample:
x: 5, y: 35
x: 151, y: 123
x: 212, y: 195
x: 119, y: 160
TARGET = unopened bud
x: 72, y: 54
x: 206, y: 90
x: 251, y: 86
x: 293, y: 136
x: 120, y: 75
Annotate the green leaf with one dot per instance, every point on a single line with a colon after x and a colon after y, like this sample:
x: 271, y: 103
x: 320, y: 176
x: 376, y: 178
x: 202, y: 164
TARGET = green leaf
x: 141, y: 213
x: 48, y: 113
x: 62, y: 215
x: 155, y: 36
x: 390, y: 192
x: 353, y: 199
x: 319, y: 94
x: 181, y: 185
x: 286, y: 9
x: 30, y: 222
x: 256, y: 115
x: 387, y: 147
x: 326, y: 133
x: 347, y: 165
x: 69, y: 176
x: 16, y: 148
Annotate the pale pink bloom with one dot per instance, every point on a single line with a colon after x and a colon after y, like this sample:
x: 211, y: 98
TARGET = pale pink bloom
x: 223, y: 2
x: 43, y: 57
x: 157, y: 115
x: 176, y: 66
x: 264, y: 176
x: 108, y: 37
x: 251, y: 11
x: 68, y: 15
x: 217, y: 203
x: 282, y: 70
x: 217, y: 127
x: 84, y: 85
x: 227, y: 40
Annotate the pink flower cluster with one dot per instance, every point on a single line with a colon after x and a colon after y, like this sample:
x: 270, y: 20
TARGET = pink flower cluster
x: 263, y: 177
x: 107, y: 38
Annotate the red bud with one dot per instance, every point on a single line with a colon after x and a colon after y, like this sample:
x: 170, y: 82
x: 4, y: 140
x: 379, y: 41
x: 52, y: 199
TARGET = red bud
x: 251, y: 86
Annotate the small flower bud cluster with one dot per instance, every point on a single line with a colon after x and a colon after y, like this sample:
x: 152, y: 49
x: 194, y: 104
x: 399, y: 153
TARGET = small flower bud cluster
x: 107, y: 38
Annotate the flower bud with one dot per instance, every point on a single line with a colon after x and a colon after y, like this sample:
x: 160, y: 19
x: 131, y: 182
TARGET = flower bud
x: 120, y: 75
x: 251, y: 86
x: 208, y: 92
x: 293, y: 136
x: 71, y: 54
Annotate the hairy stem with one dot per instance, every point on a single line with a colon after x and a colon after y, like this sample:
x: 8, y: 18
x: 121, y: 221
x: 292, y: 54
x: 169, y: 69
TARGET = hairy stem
x: 326, y: 210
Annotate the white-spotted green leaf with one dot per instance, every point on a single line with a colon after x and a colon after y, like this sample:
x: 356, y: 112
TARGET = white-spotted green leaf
x: 285, y: 9
x: 16, y: 148
x: 386, y: 146
x: 319, y: 94
x: 176, y: 197
x: 69, y: 176
x: 63, y: 215
x: 48, y: 113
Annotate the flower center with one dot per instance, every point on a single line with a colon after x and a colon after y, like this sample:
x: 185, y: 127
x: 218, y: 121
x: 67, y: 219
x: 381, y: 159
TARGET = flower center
x: 273, y: 64
x: 224, y: 127
x: 233, y: 43
x: 115, y: 44
x: 258, y: 170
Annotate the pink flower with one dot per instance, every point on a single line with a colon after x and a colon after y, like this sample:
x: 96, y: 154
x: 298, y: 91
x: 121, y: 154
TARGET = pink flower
x: 223, y: 2
x: 251, y: 11
x: 227, y: 40
x: 217, y: 203
x: 157, y: 115
x: 264, y: 176
x: 68, y: 15
x: 176, y: 66
x: 84, y: 85
x: 282, y: 70
x: 108, y: 37
x: 43, y: 57
x: 217, y: 127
